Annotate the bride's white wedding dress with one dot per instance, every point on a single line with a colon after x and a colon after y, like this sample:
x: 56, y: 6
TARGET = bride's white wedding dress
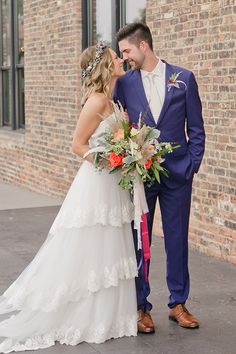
x: 80, y: 285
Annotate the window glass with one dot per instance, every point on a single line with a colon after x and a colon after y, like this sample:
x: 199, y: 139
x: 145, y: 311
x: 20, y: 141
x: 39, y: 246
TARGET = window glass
x: 5, y: 33
x: 103, y: 20
x: 6, y: 97
x: 135, y: 11
x: 20, y: 32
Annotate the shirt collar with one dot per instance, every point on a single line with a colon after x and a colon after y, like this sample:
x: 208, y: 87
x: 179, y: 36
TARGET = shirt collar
x: 158, y: 70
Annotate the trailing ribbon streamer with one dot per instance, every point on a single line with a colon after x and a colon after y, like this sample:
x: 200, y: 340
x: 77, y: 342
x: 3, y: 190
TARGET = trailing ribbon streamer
x: 145, y: 244
x: 140, y: 207
x: 93, y: 150
x: 140, y: 223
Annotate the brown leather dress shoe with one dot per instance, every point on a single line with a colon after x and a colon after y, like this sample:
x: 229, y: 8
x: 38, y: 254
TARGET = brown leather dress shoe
x: 145, y: 322
x: 185, y: 319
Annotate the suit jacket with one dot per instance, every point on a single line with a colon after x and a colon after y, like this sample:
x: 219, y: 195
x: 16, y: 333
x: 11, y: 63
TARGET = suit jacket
x: 180, y: 120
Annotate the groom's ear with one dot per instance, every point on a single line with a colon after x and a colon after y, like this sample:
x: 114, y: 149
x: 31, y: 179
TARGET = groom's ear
x: 143, y: 46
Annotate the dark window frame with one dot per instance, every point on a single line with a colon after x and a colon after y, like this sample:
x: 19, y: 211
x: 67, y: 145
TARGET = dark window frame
x: 16, y: 119
x: 19, y: 68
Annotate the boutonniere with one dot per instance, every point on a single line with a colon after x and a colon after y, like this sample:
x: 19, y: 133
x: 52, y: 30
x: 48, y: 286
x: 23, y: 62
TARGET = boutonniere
x: 173, y: 82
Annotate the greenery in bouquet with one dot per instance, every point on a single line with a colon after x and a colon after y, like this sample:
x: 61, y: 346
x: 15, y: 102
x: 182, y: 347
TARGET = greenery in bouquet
x: 134, y: 151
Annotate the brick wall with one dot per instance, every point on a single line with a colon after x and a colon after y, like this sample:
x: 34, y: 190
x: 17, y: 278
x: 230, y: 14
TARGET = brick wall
x: 200, y: 35
x: 41, y: 159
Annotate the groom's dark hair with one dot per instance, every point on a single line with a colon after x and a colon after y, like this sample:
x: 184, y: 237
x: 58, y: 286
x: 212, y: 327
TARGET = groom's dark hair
x: 135, y: 33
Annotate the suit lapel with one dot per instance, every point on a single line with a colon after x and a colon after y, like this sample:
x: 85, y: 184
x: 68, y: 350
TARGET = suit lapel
x: 138, y: 87
x: 168, y: 95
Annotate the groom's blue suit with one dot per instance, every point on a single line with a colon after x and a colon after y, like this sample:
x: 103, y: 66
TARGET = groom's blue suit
x: 180, y: 121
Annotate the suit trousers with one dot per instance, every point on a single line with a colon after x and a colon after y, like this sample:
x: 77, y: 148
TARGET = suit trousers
x: 175, y: 210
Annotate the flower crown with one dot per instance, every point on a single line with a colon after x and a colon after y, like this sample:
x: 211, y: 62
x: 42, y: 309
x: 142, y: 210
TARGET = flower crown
x: 100, y: 48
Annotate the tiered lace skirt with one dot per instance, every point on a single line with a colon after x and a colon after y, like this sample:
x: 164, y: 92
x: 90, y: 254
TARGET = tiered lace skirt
x: 80, y: 285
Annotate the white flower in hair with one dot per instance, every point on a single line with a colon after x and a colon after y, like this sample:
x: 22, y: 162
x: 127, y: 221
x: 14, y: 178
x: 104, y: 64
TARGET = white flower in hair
x: 100, y: 48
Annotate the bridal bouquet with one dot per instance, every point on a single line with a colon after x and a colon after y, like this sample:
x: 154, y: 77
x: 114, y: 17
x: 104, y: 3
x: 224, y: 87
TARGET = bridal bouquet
x: 133, y: 150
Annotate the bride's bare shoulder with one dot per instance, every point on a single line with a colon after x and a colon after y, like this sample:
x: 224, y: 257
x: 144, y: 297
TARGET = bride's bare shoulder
x: 98, y: 100
x: 98, y: 103
x: 94, y: 109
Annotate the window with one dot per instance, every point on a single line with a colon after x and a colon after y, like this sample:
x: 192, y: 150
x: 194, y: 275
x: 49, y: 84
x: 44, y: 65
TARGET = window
x: 12, y: 112
x: 103, y: 18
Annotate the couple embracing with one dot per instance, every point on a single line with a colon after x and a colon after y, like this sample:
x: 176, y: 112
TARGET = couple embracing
x: 84, y: 283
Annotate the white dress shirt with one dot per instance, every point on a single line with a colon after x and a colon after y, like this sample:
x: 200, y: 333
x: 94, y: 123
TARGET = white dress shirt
x: 154, y: 87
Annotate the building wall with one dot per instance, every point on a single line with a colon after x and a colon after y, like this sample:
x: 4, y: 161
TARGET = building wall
x: 40, y: 158
x: 200, y: 35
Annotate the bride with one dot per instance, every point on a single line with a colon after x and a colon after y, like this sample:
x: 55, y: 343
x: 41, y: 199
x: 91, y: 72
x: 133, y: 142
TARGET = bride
x: 80, y: 285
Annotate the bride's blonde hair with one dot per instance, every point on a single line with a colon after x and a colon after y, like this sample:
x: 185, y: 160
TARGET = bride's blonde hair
x: 100, y: 77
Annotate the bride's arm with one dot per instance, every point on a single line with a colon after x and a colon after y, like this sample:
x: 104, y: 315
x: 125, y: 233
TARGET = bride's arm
x: 88, y: 121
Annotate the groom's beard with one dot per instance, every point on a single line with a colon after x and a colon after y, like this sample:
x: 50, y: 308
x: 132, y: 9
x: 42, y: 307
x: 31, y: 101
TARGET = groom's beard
x: 134, y: 65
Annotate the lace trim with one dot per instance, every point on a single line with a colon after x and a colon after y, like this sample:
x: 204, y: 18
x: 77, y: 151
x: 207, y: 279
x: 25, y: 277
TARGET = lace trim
x: 125, y: 269
x: 74, y: 336
x: 102, y: 214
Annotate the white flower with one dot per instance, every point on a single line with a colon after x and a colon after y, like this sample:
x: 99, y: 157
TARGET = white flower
x: 168, y: 146
x: 134, y: 132
x: 133, y: 146
x: 154, y: 134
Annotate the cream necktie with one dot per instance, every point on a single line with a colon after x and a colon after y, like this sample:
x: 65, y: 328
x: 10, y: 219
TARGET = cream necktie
x: 154, y: 98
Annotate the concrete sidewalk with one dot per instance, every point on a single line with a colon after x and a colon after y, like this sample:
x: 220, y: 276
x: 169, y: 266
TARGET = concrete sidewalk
x: 24, y: 223
x: 13, y: 197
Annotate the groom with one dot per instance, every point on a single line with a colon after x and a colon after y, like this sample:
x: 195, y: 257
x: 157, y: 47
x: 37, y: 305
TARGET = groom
x: 168, y: 95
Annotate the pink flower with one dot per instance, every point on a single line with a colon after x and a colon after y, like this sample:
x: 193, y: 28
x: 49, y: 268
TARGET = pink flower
x: 150, y: 148
x: 119, y: 135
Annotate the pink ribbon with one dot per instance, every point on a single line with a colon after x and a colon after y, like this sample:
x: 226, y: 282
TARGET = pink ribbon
x: 145, y: 244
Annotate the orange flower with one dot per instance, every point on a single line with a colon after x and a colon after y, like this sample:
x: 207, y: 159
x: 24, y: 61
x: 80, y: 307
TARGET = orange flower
x: 119, y: 135
x: 148, y: 164
x: 116, y: 160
